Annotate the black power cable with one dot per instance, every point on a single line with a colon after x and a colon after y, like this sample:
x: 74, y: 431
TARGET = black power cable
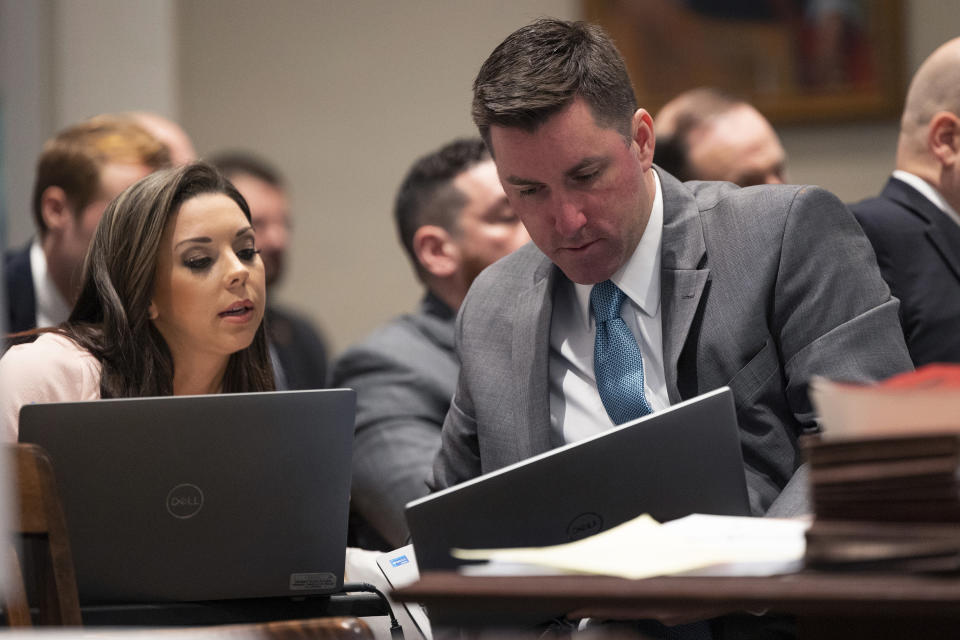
x: 396, y: 631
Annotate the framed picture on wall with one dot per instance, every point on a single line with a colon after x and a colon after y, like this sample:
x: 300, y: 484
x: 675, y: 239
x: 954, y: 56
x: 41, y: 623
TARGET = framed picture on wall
x: 795, y: 60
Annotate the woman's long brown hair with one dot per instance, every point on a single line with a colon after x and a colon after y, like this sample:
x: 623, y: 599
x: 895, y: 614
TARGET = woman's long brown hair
x: 110, y: 318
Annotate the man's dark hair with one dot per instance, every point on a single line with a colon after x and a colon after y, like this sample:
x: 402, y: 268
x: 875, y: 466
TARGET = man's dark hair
x: 671, y: 156
x: 542, y: 67
x: 427, y: 195
x: 233, y: 163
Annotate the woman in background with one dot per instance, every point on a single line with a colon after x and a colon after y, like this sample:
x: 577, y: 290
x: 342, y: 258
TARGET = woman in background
x: 171, y: 303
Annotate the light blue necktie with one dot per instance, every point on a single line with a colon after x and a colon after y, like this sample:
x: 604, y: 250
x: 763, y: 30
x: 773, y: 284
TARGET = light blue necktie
x: 617, y: 363
x: 618, y: 367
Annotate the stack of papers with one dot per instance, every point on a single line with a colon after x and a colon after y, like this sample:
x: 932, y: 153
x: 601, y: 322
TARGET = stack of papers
x: 642, y: 548
x: 920, y: 402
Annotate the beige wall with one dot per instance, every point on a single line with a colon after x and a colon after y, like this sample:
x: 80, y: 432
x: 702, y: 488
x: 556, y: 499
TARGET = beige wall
x: 854, y: 160
x: 342, y: 95
x: 65, y: 60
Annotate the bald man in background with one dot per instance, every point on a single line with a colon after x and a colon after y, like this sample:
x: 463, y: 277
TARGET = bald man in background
x: 169, y: 133
x: 706, y: 134
x: 913, y: 224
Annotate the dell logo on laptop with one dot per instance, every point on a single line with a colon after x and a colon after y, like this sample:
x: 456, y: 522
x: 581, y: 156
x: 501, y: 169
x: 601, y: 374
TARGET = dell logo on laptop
x: 184, y: 501
x: 585, y: 524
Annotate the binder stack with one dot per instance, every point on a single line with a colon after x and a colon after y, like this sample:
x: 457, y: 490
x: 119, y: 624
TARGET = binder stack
x: 887, y: 497
x: 891, y: 503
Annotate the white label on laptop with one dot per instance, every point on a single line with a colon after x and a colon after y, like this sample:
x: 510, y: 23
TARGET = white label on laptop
x: 312, y: 581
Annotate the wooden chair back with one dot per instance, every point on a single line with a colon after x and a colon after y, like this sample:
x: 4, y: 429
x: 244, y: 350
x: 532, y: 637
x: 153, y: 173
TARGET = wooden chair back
x: 45, y: 544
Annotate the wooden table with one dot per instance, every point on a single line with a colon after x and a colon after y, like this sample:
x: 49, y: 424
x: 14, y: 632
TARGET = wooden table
x: 233, y: 611
x: 827, y: 605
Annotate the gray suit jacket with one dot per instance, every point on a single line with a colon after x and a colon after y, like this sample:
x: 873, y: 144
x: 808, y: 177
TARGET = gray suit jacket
x: 405, y: 374
x: 761, y: 288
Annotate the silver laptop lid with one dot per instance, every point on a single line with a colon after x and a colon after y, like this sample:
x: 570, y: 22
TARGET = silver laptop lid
x: 682, y: 460
x: 202, y: 497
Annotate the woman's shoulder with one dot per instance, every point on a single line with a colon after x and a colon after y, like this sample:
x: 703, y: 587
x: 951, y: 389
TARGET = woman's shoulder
x: 52, y: 368
x: 51, y: 356
x: 50, y: 349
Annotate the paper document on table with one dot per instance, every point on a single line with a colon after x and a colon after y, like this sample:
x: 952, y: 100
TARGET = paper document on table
x: 924, y: 401
x: 642, y: 548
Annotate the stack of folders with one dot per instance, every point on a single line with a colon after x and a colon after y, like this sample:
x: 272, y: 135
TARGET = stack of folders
x: 890, y: 499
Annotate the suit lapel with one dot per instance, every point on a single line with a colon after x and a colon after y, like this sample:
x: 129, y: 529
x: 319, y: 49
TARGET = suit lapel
x: 947, y: 242
x: 20, y: 290
x: 942, y: 233
x: 682, y: 285
x: 682, y: 280
x: 531, y: 348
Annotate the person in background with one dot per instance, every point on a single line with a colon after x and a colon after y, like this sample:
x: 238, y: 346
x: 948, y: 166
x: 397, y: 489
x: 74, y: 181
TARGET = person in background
x: 298, y: 349
x: 79, y: 172
x: 914, y: 224
x: 453, y: 220
x: 169, y: 133
x: 171, y: 303
x: 705, y: 134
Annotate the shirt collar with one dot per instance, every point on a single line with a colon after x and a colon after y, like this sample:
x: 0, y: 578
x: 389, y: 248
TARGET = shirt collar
x: 639, y: 277
x: 52, y: 308
x: 929, y: 192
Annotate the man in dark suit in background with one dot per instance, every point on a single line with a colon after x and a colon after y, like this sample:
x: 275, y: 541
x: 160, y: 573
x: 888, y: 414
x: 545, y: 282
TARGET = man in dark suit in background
x: 453, y: 220
x: 297, y: 349
x: 914, y: 223
x: 79, y: 172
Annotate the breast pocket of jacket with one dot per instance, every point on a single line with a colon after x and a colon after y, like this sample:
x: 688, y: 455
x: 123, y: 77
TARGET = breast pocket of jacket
x: 754, y: 376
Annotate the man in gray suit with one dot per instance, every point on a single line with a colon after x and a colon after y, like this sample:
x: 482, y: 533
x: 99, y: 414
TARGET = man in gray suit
x: 453, y: 220
x: 757, y: 288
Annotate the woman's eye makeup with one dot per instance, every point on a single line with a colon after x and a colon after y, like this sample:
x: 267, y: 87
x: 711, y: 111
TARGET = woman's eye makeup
x: 202, y: 258
x: 248, y: 254
x: 197, y: 263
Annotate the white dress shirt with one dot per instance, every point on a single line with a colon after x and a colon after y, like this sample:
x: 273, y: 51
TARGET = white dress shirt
x: 576, y: 410
x: 929, y: 192
x: 52, y: 308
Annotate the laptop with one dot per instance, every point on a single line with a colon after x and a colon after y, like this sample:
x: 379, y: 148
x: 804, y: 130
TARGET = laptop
x: 193, y: 498
x: 682, y: 460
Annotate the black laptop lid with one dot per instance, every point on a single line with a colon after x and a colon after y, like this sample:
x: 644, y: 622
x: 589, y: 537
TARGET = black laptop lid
x: 682, y: 460
x: 202, y: 497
